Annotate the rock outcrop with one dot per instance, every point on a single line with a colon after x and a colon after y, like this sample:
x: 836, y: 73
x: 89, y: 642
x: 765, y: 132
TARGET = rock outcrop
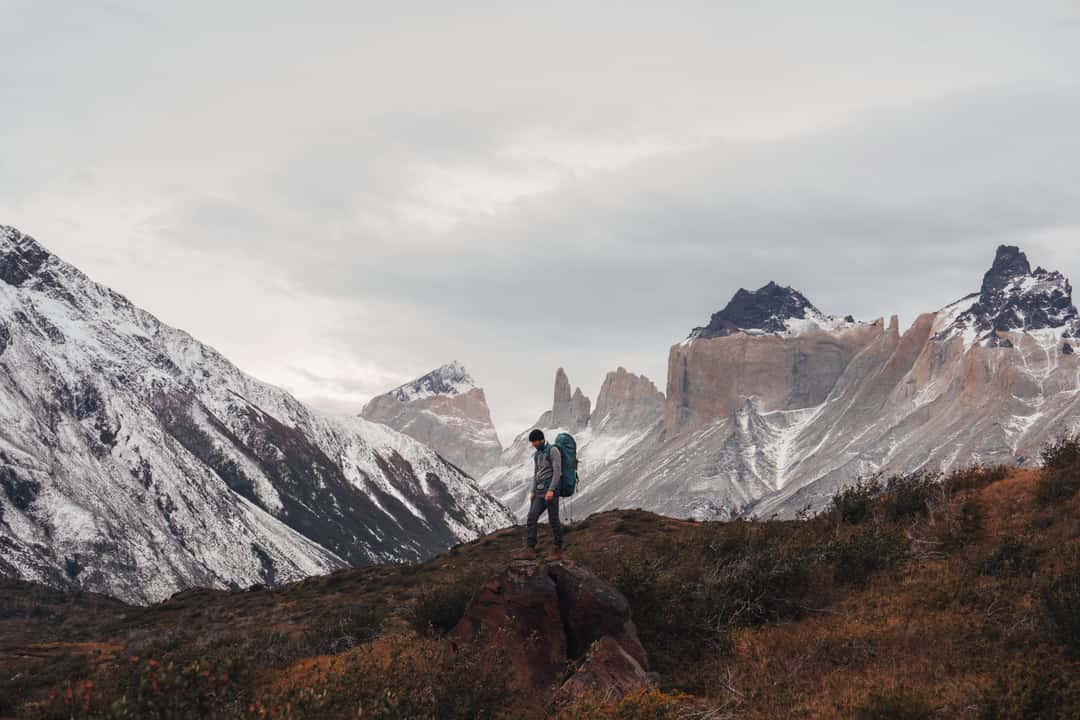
x: 626, y: 402
x: 569, y: 410
x: 446, y: 411
x: 546, y: 617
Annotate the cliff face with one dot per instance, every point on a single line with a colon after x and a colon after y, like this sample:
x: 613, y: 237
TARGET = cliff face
x: 762, y: 421
x: 447, y: 412
x: 712, y: 377
x: 774, y: 405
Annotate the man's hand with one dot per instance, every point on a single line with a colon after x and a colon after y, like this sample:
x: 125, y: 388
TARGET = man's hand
x: 550, y: 495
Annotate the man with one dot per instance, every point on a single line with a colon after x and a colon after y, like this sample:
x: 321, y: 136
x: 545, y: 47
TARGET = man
x: 544, y: 493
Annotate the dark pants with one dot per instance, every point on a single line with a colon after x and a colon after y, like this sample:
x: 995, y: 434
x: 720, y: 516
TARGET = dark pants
x: 538, y: 506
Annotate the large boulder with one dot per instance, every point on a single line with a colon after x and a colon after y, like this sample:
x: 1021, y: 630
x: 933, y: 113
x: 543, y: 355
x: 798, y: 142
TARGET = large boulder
x: 549, y: 619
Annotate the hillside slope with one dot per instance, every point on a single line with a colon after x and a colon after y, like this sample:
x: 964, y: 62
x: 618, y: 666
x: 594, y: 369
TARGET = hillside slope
x: 919, y: 599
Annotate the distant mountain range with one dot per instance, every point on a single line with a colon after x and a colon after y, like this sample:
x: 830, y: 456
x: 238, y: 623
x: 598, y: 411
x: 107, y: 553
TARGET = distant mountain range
x: 774, y: 405
x: 136, y: 461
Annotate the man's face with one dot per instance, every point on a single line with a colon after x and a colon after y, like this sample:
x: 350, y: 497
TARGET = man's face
x: 537, y: 443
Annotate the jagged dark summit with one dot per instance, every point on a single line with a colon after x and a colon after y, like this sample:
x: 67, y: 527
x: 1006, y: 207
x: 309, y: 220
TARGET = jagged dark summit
x: 769, y: 309
x: 1014, y: 297
x: 763, y: 309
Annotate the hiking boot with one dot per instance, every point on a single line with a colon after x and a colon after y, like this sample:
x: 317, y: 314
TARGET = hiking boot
x: 526, y: 553
x: 557, y: 554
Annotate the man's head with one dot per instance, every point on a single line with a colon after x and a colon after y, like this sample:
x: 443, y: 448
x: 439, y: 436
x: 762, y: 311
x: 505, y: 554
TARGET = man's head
x: 536, y: 437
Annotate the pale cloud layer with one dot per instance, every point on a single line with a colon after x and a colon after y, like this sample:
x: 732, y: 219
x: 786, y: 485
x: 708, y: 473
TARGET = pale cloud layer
x: 340, y: 196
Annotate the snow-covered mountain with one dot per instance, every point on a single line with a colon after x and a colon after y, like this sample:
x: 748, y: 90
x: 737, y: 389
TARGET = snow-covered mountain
x: 774, y: 405
x: 446, y: 411
x: 1013, y: 298
x: 451, y: 379
x: 136, y: 461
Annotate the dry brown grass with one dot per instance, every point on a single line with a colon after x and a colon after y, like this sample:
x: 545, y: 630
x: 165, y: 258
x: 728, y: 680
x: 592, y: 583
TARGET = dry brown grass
x: 743, y: 619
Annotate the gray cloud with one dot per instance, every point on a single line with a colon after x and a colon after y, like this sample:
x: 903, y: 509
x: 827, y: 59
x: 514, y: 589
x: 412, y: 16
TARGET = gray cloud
x: 344, y: 196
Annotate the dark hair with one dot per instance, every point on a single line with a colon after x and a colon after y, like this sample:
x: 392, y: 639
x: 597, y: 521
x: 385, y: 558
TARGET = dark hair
x: 536, y: 435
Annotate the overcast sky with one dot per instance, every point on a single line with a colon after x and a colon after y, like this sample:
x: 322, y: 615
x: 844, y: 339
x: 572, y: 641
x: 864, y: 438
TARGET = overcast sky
x: 340, y: 196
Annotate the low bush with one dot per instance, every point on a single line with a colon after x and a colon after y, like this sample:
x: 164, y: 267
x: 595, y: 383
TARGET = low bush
x: 1012, y: 557
x: 400, y: 682
x: 1033, y: 689
x: 908, y: 494
x: 859, y: 555
x: 440, y: 607
x: 898, y: 704
x: 148, y: 689
x: 855, y: 503
x: 1060, y: 476
x: 975, y: 477
x: 344, y: 631
x: 645, y: 704
x: 1060, y: 600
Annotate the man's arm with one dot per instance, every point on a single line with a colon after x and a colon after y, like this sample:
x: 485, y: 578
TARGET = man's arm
x: 556, y: 469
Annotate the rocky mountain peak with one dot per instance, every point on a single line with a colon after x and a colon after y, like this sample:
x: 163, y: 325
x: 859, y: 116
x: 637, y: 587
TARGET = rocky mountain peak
x: 450, y: 379
x: 772, y: 308
x: 570, y: 408
x: 627, y: 401
x: 1013, y: 297
x: 21, y: 257
x: 1009, y: 263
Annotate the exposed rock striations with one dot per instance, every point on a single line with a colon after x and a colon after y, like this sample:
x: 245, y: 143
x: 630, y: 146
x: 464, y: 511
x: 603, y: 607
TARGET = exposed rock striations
x: 446, y: 411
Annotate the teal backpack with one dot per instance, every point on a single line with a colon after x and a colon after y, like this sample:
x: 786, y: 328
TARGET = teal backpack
x: 568, y: 447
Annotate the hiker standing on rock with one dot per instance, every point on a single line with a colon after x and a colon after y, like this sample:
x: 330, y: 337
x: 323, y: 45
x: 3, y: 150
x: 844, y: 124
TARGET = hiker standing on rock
x: 544, y: 494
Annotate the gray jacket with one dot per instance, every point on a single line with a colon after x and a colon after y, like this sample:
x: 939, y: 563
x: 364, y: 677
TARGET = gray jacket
x: 547, y: 469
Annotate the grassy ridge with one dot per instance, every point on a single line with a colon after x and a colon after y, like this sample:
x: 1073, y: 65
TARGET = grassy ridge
x: 914, y: 596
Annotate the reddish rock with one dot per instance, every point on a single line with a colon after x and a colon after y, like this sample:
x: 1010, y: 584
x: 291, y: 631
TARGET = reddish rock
x: 520, y: 610
x: 592, y: 609
x: 543, y: 617
x: 608, y: 670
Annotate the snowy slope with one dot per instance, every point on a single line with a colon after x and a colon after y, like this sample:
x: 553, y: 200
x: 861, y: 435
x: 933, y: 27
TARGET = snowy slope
x: 137, y: 461
x: 446, y: 411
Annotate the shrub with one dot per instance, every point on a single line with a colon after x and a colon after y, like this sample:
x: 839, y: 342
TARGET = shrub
x: 1060, y: 476
x: 1060, y: 598
x: 644, y: 704
x: 898, y: 704
x: 975, y: 477
x: 1010, y: 558
x: 343, y: 632
x: 148, y: 689
x: 400, y: 682
x: 855, y: 503
x: 1033, y: 688
x: 440, y: 607
x: 757, y: 586
x: 908, y: 494
x: 859, y: 555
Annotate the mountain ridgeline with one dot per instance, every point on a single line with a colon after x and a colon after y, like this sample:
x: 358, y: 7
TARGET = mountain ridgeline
x: 773, y: 405
x: 445, y: 410
x: 136, y: 461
